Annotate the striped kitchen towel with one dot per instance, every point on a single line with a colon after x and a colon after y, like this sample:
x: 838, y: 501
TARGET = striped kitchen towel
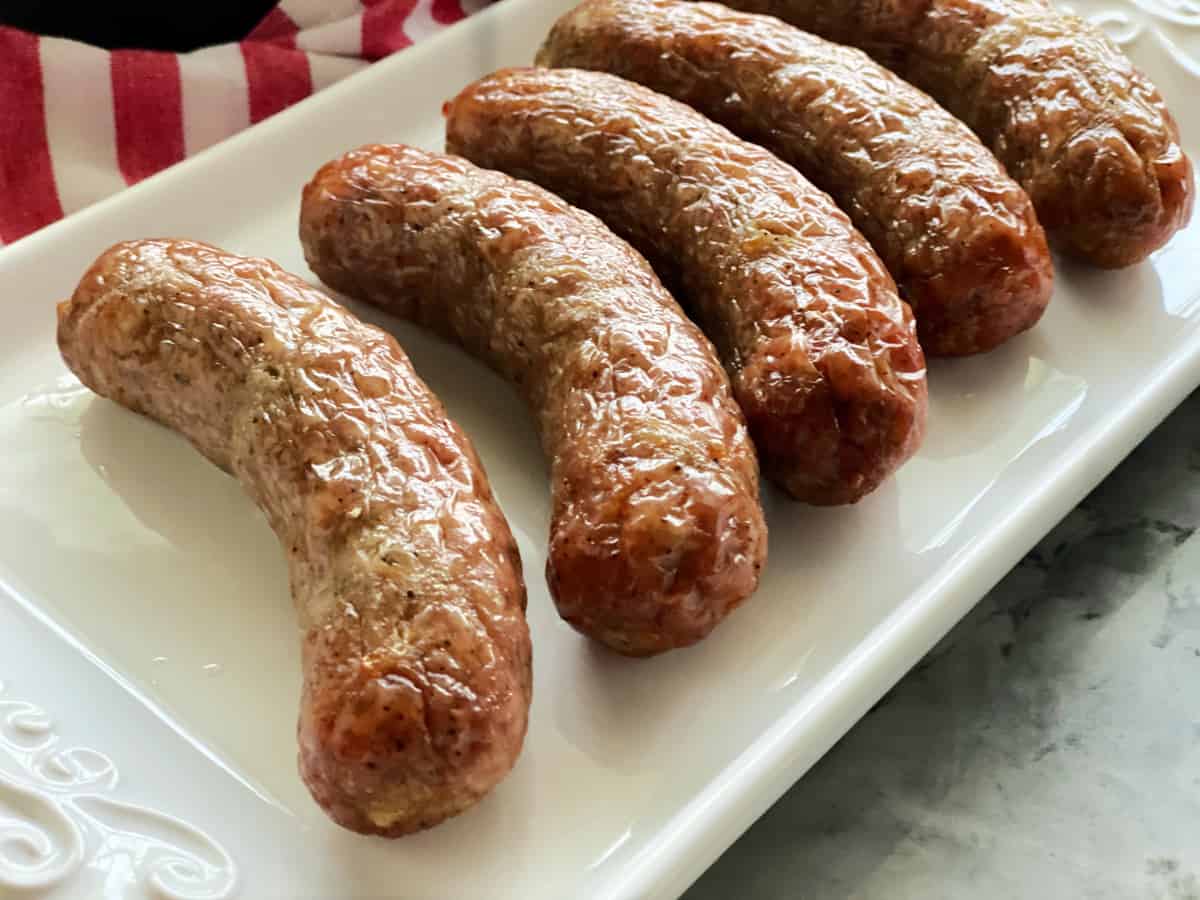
x: 78, y: 123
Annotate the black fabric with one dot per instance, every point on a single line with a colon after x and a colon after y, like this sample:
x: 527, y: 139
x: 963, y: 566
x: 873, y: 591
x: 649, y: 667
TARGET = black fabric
x: 165, y: 25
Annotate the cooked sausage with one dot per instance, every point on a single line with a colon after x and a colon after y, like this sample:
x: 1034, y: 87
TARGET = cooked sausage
x: 1085, y: 132
x: 405, y: 576
x: 959, y: 236
x: 656, y: 531
x: 821, y: 352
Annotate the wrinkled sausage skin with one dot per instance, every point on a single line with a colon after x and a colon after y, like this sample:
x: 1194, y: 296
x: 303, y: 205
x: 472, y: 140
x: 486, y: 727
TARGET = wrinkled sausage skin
x: 1082, y: 130
x: 656, y: 530
x: 821, y: 352
x: 406, y: 579
x: 959, y: 236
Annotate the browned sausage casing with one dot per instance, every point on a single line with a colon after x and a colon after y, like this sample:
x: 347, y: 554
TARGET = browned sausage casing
x: 1086, y: 133
x: 405, y: 576
x: 657, y: 532
x: 959, y: 236
x: 821, y: 352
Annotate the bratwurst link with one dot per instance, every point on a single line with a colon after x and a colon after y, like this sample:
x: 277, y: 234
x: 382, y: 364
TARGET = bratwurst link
x: 405, y: 576
x: 1072, y: 119
x: 959, y: 236
x: 822, y: 354
x: 656, y: 531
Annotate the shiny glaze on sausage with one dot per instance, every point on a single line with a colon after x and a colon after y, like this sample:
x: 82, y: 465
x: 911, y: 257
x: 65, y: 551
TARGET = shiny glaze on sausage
x: 959, y: 236
x: 821, y: 352
x: 1073, y: 120
x: 656, y: 530
x: 405, y: 577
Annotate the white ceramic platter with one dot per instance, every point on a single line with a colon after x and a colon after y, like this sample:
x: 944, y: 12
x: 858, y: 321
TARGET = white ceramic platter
x: 148, y: 653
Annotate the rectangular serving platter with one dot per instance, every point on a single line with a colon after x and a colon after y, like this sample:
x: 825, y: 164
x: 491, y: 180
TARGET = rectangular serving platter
x: 148, y: 650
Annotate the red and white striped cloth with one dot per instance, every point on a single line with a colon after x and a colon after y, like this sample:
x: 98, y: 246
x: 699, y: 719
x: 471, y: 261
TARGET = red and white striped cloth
x: 78, y: 123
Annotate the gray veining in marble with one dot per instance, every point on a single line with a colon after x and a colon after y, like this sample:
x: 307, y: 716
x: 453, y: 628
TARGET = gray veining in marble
x: 1049, y: 747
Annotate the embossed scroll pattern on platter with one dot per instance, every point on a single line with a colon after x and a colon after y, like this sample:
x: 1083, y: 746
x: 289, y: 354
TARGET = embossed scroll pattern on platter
x: 58, y: 817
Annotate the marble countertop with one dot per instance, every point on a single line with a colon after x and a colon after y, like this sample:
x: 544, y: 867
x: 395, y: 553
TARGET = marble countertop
x: 1049, y: 747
